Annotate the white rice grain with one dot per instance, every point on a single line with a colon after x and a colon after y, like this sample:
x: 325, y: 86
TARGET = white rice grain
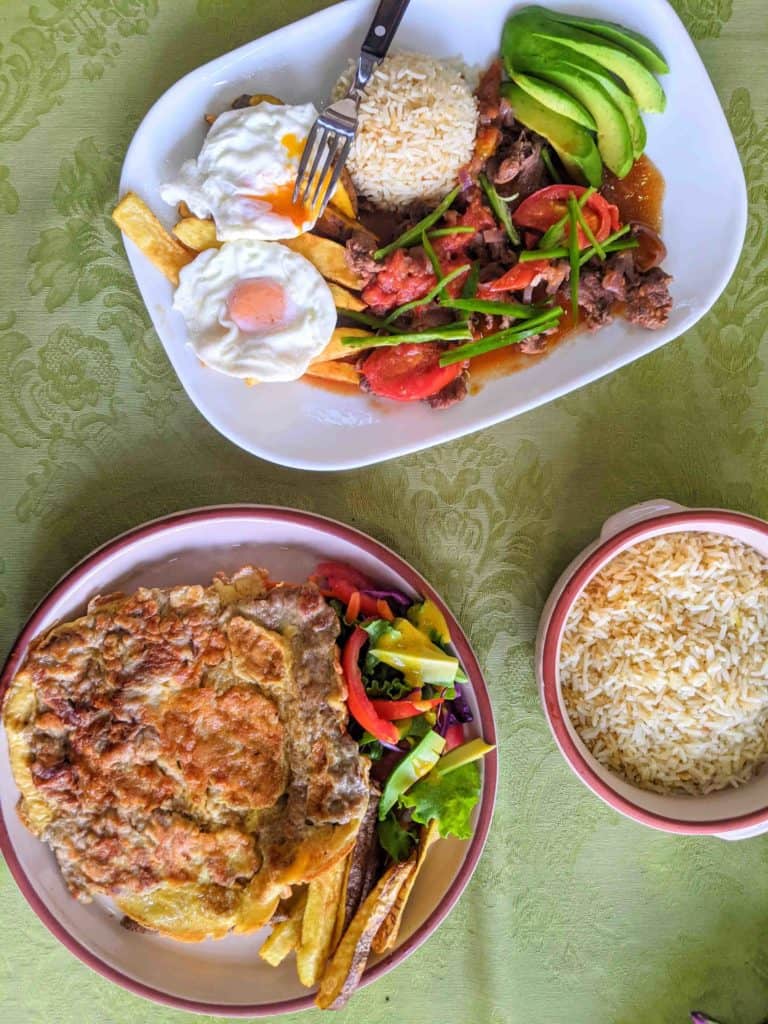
x: 664, y: 663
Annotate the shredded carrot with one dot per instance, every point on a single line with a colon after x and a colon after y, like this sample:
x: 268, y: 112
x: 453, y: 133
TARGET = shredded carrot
x: 353, y: 607
x: 384, y: 610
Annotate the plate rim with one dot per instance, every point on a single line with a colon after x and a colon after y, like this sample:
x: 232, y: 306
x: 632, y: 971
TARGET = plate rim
x: 392, y: 560
x: 480, y: 422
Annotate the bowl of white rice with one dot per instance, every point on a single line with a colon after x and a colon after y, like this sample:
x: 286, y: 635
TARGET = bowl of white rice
x: 652, y: 661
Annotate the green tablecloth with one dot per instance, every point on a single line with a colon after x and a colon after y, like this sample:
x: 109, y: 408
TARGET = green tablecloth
x: 574, y: 914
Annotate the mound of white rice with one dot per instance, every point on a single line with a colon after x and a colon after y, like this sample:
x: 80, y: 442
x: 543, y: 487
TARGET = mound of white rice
x: 664, y: 663
x: 416, y: 129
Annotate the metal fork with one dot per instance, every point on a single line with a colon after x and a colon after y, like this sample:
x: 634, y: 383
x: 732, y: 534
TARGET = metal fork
x: 330, y: 140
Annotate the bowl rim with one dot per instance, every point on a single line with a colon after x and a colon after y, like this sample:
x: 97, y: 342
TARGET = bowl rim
x: 550, y: 686
x: 466, y: 655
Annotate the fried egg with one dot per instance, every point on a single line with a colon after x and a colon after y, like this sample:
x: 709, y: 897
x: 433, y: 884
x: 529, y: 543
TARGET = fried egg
x: 255, y: 310
x: 245, y: 173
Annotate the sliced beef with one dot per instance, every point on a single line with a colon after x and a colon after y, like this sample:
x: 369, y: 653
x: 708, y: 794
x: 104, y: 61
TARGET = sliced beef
x: 359, y: 255
x: 534, y: 345
x: 517, y: 165
x: 645, y: 294
x: 405, y: 275
x: 489, y: 132
x: 648, y: 302
x: 455, y: 392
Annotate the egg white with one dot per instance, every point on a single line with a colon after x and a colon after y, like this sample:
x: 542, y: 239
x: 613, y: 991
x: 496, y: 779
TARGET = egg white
x: 244, y: 157
x: 279, y: 353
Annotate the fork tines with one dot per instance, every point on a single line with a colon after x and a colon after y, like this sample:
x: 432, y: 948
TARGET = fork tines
x: 322, y: 161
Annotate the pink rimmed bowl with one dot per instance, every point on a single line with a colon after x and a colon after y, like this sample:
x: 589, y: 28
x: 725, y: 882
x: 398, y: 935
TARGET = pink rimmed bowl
x: 734, y: 813
x: 226, y: 977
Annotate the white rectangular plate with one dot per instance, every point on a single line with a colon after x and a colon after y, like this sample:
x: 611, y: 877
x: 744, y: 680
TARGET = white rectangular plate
x: 308, y: 427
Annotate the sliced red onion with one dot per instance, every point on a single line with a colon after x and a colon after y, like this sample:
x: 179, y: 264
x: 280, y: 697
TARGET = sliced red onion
x: 701, y: 1018
x: 395, y: 596
x: 461, y: 708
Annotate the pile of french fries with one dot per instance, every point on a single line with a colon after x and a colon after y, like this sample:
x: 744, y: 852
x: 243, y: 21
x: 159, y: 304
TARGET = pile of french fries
x: 323, y: 247
x: 332, y: 947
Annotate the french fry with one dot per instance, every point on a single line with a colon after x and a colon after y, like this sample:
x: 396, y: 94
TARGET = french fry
x: 386, y: 936
x: 183, y: 210
x: 341, y: 908
x: 141, y: 226
x: 348, y: 962
x: 286, y: 935
x: 344, y: 197
x: 345, y: 299
x: 335, y: 349
x: 264, y: 97
x: 342, y: 373
x: 323, y: 897
x: 335, y: 224
x: 196, y: 233
x: 327, y: 256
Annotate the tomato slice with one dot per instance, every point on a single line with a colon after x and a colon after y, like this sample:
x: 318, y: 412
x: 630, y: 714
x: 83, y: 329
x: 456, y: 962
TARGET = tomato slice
x: 332, y: 571
x: 519, y: 277
x: 541, y: 210
x: 358, y: 701
x: 408, y: 373
x: 454, y: 737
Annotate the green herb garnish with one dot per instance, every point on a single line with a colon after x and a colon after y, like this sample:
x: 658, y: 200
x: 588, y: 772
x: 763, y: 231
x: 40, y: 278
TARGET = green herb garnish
x: 429, y: 249
x: 589, y: 233
x: 499, y: 207
x: 366, y: 319
x: 460, y: 229
x: 549, y: 163
x: 414, y: 234
x: 451, y: 332
x: 515, y: 309
x: 469, y: 289
x: 501, y: 339
x: 573, y: 254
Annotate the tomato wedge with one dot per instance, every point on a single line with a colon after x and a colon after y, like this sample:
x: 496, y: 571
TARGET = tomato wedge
x: 360, y: 705
x: 341, y: 571
x: 541, y: 210
x: 394, y: 710
x: 343, y: 583
x: 408, y: 373
x: 519, y: 277
x: 454, y: 737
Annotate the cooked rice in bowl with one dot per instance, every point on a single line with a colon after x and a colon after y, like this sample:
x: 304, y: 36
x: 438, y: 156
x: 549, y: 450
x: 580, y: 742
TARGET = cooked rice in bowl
x: 416, y: 129
x: 664, y: 663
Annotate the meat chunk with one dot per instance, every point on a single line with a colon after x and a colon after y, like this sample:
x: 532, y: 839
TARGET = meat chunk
x: 648, y: 301
x: 595, y: 301
x: 359, y: 250
x: 404, y: 275
x: 518, y: 162
x: 454, y: 392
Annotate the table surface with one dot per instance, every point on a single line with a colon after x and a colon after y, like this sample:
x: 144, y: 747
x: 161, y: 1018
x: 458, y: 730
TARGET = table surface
x: 574, y: 914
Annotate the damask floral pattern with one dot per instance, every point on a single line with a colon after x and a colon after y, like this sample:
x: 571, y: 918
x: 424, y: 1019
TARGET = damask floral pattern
x: 574, y: 913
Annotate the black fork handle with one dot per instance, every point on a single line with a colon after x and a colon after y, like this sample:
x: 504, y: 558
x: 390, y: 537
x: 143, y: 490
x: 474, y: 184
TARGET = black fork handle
x: 386, y: 22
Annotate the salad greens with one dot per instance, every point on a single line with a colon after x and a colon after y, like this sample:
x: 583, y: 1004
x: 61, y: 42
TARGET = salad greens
x: 407, y: 709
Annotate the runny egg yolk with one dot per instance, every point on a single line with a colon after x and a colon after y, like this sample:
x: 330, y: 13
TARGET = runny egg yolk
x: 256, y: 304
x: 294, y: 146
x: 281, y: 201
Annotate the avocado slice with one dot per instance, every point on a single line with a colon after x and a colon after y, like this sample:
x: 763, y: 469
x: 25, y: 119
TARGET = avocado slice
x: 613, y: 139
x: 638, y: 45
x: 647, y: 92
x: 414, y: 766
x: 637, y: 133
x: 571, y: 141
x: 556, y: 99
x: 407, y: 649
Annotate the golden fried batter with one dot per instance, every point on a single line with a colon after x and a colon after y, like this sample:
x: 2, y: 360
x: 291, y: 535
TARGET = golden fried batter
x: 185, y: 751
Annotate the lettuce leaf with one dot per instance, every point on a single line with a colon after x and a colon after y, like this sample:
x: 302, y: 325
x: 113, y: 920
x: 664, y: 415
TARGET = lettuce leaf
x: 448, y: 798
x: 396, y: 840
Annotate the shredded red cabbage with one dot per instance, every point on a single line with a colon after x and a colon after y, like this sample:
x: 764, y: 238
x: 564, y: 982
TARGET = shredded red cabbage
x: 461, y: 708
